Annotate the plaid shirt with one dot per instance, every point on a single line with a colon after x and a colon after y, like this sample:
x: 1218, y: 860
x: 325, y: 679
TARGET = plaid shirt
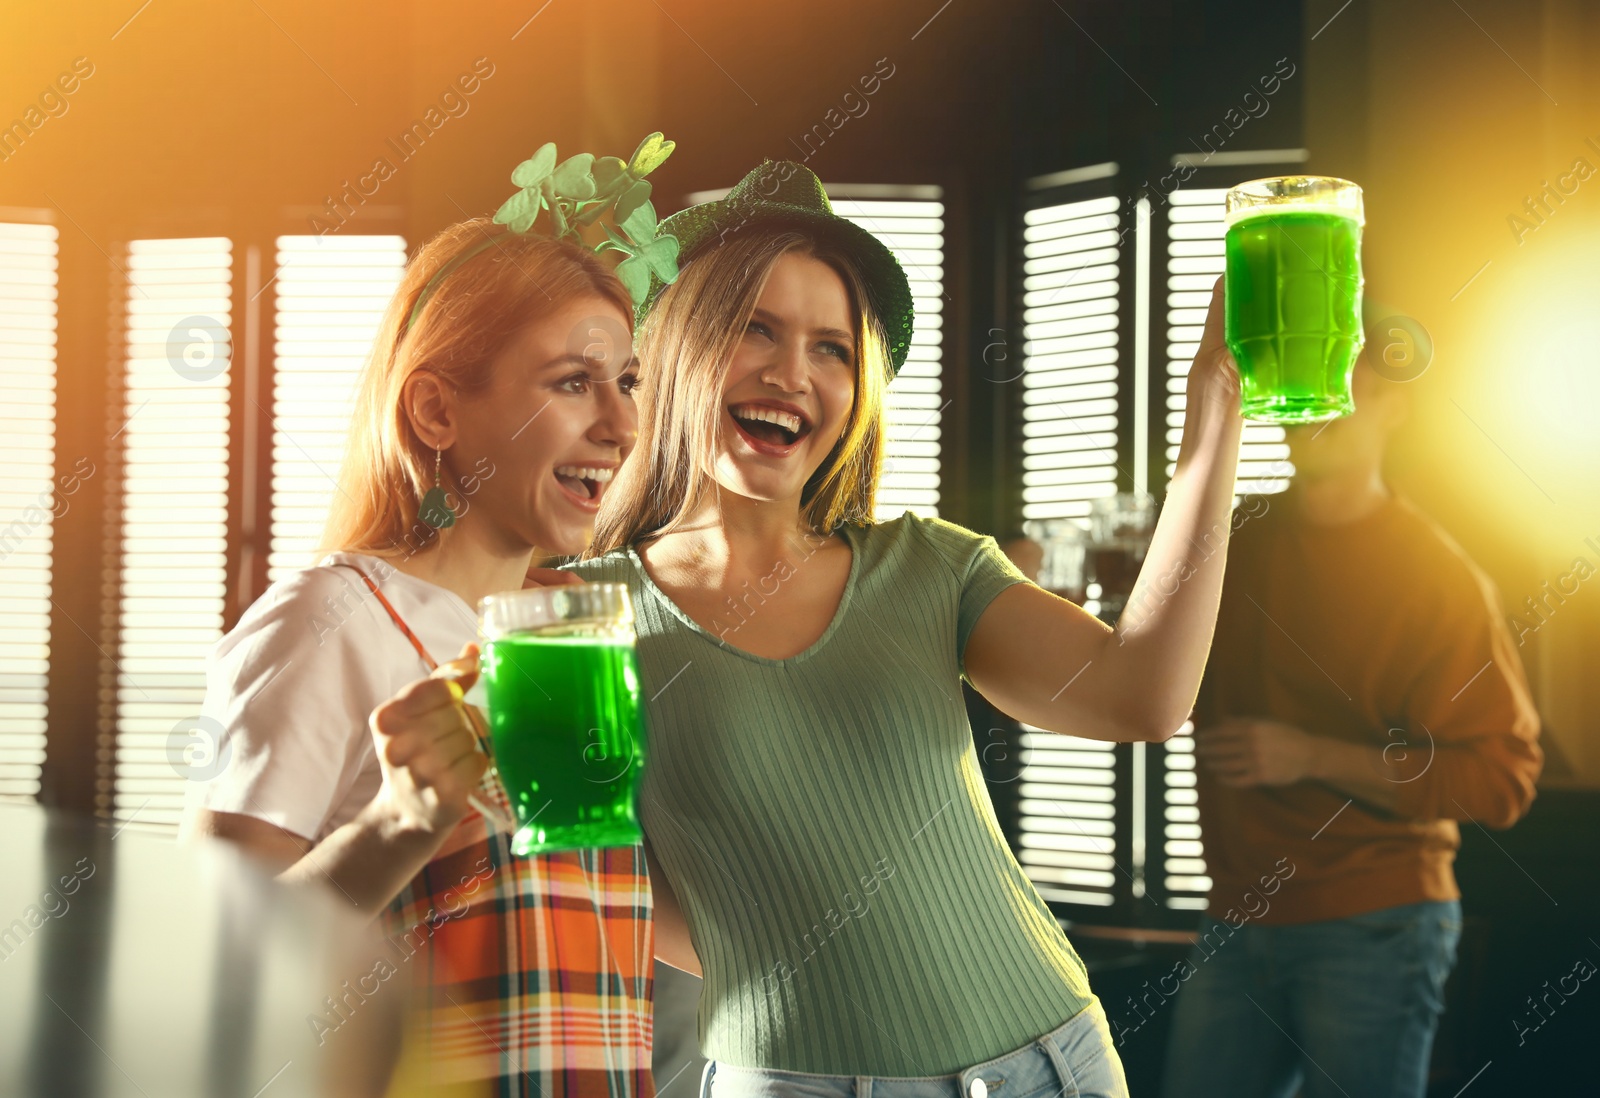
x: 536, y: 971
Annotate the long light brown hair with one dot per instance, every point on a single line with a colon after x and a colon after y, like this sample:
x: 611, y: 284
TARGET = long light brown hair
x: 468, y: 319
x: 686, y: 346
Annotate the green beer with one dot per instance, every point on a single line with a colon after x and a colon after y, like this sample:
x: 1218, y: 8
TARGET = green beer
x: 562, y: 681
x: 1293, y: 318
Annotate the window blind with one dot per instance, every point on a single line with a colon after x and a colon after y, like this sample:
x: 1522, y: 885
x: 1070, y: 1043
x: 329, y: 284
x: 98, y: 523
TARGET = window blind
x: 173, y: 518
x: 28, y: 497
x: 914, y: 231
x: 1184, y: 881
x: 1071, y: 268
x: 1067, y: 836
x: 331, y: 293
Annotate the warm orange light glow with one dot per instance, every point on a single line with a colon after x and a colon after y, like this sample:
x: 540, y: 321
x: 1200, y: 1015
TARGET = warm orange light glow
x: 1540, y: 403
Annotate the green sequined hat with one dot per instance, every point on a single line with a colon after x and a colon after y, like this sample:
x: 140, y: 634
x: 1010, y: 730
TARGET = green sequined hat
x: 784, y: 191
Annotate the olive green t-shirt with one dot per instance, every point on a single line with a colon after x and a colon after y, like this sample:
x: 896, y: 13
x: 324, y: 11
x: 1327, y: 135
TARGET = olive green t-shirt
x: 825, y: 825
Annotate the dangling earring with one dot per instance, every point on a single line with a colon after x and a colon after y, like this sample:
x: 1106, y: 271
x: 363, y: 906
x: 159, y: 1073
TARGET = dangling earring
x: 436, y: 510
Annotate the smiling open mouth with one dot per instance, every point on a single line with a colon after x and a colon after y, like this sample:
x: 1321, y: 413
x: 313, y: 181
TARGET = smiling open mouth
x: 584, y: 481
x: 772, y: 427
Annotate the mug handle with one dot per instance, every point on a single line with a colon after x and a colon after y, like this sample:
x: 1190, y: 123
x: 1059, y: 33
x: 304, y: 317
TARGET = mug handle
x: 499, y: 819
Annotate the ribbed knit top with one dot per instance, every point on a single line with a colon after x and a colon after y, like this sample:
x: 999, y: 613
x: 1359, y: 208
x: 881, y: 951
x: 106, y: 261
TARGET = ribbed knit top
x: 825, y: 826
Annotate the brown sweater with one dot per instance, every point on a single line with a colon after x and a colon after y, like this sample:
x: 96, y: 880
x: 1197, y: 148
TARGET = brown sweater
x: 1380, y: 632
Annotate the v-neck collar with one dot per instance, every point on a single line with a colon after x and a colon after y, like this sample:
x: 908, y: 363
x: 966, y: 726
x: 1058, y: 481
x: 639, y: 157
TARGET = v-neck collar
x: 850, y: 534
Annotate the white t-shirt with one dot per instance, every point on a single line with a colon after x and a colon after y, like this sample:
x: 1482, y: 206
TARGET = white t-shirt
x: 292, y: 686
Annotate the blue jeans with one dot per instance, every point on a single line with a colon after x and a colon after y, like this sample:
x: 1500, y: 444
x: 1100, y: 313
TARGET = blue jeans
x: 1345, y: 1008
x: 1075, y: 1060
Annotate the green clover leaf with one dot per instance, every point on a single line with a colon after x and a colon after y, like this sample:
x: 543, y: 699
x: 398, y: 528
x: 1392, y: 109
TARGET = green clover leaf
x: 610, y: 176
x: 574, y: 178
x: 647, y: 253
x: 662, y: 256
x: 521, y: 210
x: 534, y: 170
x: 578, y: 192
x: 582, y: 189
x: 640, y: 224
x: 650, y: 155
x: 634, y: 273
x: 630, y: 200
x: 658, y: 257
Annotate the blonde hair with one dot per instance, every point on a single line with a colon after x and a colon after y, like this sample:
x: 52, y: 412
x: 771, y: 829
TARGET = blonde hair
x: 686, y: 345
x: 468, y: 318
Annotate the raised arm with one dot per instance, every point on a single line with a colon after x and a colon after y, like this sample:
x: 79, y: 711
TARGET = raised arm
x: 1050, y: 663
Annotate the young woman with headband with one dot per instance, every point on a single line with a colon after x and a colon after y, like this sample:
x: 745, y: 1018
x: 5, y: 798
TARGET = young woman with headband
x: 822, y: 846
x: 495, y: 409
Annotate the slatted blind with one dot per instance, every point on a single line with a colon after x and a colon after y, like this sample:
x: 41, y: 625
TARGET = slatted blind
x: 1184, y: 881
x: 1071, y: 264
x: 28, y: 500
x: 331, y: 293
x: 1071, y: 255
x: 173, y: 499
x: 1194, y: 260
x: 1067, y: 841
x: 914, y: 231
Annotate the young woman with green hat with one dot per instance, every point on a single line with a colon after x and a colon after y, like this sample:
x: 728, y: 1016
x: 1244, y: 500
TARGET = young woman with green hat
x: 822, y: 846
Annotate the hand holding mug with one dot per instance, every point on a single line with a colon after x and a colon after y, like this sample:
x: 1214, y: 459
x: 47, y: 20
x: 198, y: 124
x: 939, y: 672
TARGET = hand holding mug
x: 427, y: 749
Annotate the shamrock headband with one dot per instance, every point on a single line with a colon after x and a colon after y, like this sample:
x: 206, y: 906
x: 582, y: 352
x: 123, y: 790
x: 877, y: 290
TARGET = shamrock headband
x: 578, y: 192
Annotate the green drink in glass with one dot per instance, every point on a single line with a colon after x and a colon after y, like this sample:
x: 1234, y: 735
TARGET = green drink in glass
x: 1293, y: 317
x: 562, y: 681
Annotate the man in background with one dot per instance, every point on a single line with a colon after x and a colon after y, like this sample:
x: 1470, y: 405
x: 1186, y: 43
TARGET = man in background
x: 1363, y: 696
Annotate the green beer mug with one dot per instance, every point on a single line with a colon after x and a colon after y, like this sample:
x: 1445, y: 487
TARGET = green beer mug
x: 1293, y: 318
x: 562, y: 681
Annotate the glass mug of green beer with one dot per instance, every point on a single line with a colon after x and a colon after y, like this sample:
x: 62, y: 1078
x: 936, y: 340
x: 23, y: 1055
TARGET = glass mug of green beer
x: 1293, y: 317
x: 562, y: 682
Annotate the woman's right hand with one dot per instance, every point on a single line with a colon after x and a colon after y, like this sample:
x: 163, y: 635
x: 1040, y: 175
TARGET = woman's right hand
x: 426, y: 748
x: 1213, y: 379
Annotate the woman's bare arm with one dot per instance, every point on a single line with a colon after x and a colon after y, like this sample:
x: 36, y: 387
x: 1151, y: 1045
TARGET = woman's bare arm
x: 430, y: 763
x: 366, y: 862
x: 273, y: 847
x: 1048, y: 662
